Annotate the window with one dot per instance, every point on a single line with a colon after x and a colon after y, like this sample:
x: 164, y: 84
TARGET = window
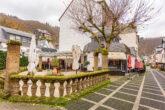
x: 12, y: 37
x: 25, y: 40
x: 29, y: 41
x: 18, y: 38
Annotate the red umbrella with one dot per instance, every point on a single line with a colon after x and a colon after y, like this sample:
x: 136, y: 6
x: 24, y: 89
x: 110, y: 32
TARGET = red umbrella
x: 141, y: 65
x: 48, y: 60
x: 129, y: 62
x: 136, y: 63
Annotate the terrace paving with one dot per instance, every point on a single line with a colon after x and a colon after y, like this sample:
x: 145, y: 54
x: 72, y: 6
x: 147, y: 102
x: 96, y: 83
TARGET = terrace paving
x: 145, y: 92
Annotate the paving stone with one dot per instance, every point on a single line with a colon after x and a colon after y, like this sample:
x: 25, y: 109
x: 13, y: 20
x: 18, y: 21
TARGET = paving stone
x: 133, y: 85
x: 25, y: 106
x: 143, y: 108
x: 102, y: 108
x: 118, y: 104
x: 104, y: 91
x: 152, y: 91
x: 125, y: 96
x: 127, y: 86
x: 111, y: 87
x: 79, y: 105
x: 152, y: 103
x: 129, y: 91
x: 161, y: 98
x: 116, y: 84
x: 151, y: 87
x: 94, y: 97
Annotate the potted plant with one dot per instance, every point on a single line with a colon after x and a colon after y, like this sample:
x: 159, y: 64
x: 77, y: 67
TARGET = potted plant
x: 59, y: 68
x: 54, y: 63
x: 86, y: 63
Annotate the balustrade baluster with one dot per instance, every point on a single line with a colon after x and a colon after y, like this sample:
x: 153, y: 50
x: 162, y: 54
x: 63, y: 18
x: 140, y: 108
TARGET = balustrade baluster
x: 79, y: 84
x: 52, y: 89
x: 42, y: 88
x: 61, y: 89
x: 34, y: 87
x: 25, y: 87
x: 68, y: 87
x: 15, y: 87
x: 74, y: 84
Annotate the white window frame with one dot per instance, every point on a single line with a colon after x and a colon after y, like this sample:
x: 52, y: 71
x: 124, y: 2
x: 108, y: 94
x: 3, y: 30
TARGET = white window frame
x: 25, y: 40
x: 12, y: 36
x: 17, y: 38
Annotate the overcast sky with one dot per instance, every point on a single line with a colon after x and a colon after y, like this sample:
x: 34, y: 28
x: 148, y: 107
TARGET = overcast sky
x: 50, y: 11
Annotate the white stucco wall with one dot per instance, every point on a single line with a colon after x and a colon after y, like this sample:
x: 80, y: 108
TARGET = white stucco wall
x: 129, y: 39
x: 70, y: 36
x: 133, y: 62
x: 90, y: 58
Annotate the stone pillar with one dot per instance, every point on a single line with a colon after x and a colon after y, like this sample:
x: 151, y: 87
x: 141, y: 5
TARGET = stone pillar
x: 12, y: 62
x: 104, y: 61
x: 40, y: 63
x: 95, y: 62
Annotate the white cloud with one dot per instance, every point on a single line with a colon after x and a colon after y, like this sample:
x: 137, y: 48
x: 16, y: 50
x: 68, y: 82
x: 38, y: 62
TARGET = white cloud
x: 41, y: 10
x: 50, y: 11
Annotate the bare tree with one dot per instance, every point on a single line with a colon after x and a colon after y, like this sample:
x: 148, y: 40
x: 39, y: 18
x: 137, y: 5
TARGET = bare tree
x: 116, y: 16
x: 105, y: 20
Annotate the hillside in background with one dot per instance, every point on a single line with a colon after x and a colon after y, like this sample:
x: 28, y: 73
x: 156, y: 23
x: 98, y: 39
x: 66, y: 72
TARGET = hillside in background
x: 28, y: 25
x: 147, y: 45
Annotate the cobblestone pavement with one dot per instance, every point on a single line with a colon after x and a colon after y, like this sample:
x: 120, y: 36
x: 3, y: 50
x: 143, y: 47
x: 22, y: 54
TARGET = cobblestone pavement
x: 23, y: 106
x: 142, y: 93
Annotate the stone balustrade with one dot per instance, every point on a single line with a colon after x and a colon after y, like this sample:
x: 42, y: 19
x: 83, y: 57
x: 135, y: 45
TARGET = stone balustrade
x: 55, y: 86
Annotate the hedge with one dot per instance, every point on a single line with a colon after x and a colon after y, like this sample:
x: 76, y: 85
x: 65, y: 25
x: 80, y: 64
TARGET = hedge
x: 23, y: 61
x: 2, y: 60
x: 14, y: 42
x: 59, y: 78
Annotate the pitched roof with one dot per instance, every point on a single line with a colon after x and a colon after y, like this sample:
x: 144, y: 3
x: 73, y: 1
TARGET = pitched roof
x: 16, y: 32
x: 48, y: 50
x: 66, y: 10
x: 2, y: 35
x: 115, y: 47
x: 133, y: 51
